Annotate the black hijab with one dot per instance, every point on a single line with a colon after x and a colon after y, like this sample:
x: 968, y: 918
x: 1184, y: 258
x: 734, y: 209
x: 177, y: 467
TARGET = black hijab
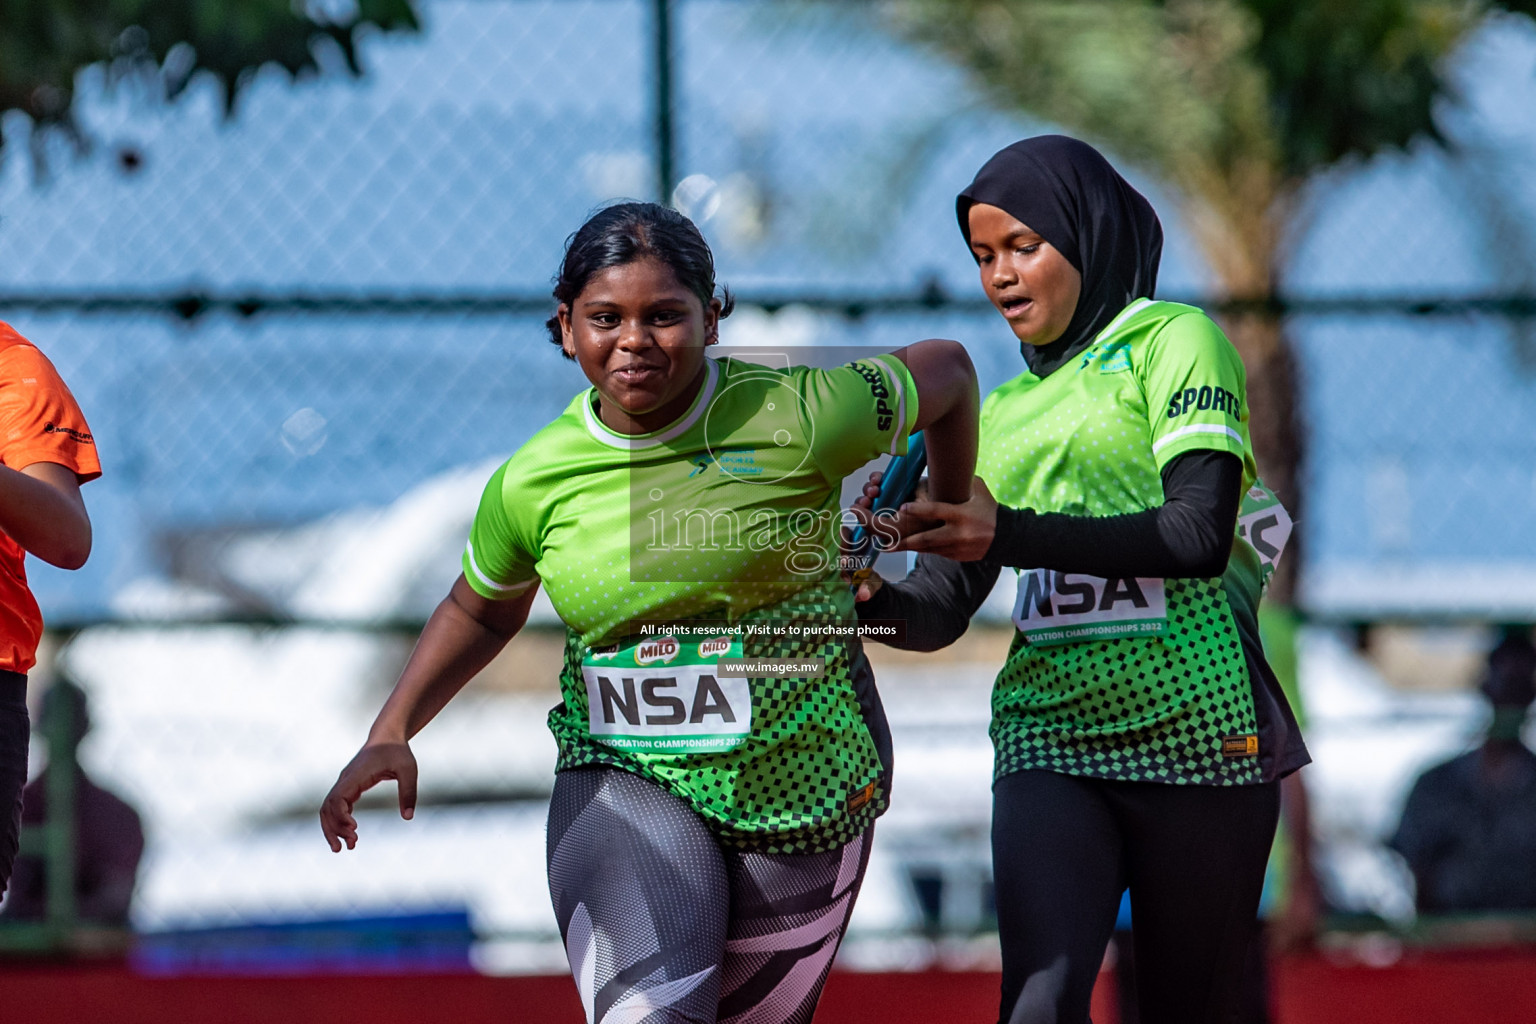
x: 1069, y: 194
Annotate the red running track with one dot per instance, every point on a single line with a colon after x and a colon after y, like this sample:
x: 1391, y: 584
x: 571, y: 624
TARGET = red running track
x: 59, y: 994
x: 1423, y: 989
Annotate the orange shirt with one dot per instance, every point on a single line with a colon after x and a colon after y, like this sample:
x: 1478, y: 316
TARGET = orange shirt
x: 39, y: 422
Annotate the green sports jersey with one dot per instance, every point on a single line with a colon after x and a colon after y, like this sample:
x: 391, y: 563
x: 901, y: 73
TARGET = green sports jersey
x: 712, y: 538
x: 1140, y: 679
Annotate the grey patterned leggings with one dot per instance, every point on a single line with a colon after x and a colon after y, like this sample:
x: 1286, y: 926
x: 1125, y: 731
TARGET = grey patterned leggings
x: 663, y: 926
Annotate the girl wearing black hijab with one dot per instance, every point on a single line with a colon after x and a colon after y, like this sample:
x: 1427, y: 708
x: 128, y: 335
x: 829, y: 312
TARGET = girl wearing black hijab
x: 1139, y: 732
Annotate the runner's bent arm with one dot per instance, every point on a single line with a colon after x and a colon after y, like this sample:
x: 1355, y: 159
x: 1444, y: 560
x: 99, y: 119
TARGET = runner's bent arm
x: 41, y: 510
x: 947, y: 411
x: 464, y: 633
x: 939, y: 597
x: 462, y: 636
x: 48, y: 453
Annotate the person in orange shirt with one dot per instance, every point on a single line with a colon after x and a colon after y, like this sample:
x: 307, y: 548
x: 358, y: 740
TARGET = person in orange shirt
x: 46, y: 453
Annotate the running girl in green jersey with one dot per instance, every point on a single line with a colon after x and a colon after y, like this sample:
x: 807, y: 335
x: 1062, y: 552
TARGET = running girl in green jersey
x: 1139, y: 731
x: 722, y: 751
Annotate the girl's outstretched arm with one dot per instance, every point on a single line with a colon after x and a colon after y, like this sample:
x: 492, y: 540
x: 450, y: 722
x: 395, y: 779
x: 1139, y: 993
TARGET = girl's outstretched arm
x: 462, y: 636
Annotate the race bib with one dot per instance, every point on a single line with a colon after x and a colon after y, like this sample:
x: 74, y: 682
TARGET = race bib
x: 1062, y: 607
x: 662, y: 695
x: 1266, y: 526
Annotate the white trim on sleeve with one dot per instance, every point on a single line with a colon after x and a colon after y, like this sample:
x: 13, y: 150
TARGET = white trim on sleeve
x: 1198, y: 428
x: 502, y: 589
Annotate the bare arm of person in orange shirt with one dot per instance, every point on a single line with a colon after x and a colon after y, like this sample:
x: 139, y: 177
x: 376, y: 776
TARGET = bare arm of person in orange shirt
x: 41, y: 509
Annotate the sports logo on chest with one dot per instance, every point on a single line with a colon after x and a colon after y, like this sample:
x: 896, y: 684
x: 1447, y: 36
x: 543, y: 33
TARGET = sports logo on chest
x: 736, y: 463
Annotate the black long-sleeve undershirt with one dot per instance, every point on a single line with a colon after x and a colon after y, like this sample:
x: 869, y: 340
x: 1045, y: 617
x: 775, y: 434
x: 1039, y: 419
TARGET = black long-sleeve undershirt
x: 1189, y: 535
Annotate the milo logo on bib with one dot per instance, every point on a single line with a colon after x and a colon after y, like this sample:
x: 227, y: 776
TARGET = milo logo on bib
x: 653, y: 652
x: 1061, y: 607
x: 661, y: 695
x: 720, y: 647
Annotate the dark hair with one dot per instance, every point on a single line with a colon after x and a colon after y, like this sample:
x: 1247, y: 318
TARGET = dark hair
x: 626, y: 232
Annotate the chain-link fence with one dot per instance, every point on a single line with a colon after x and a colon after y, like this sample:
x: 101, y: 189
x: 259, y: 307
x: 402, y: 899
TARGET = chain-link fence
x: 304, y: 336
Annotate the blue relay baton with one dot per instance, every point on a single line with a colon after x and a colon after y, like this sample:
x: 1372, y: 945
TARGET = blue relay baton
x: 897, y: 486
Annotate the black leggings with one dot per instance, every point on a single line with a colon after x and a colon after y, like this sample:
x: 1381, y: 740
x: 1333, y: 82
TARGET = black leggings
x: 1063, y: 850
x: 14, y: 733
x: 663, y: 925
